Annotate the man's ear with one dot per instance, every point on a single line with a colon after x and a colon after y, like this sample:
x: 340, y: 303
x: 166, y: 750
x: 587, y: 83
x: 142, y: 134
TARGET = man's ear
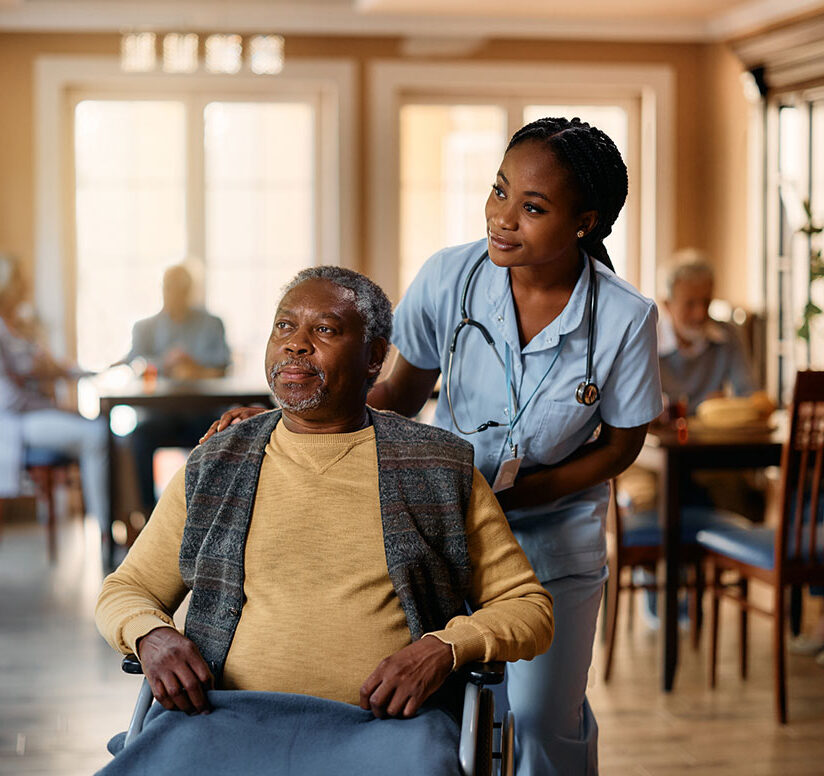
x: 377, y: 355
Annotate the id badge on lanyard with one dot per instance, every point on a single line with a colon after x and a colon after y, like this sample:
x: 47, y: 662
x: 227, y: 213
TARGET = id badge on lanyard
x: 507, y: 471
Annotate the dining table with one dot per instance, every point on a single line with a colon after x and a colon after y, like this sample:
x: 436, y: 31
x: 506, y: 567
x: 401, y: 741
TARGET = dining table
x: 674, y: 453
x: 211, y: 395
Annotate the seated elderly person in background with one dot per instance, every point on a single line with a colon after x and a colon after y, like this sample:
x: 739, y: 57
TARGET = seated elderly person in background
x: 182, y: 342
x: 699, y: 358
x: 29, y: 416
x: 329, y: 548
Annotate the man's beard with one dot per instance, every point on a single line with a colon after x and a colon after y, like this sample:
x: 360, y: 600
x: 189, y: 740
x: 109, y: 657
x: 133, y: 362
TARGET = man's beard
x: 695, y: 335
x: 300, y: 405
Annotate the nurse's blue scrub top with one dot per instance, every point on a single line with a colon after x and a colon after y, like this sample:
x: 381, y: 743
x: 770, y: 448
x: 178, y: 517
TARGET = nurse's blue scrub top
x: 564, y: 536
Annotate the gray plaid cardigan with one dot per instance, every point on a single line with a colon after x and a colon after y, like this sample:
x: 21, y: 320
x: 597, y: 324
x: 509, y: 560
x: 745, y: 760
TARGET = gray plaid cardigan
x: 425, y: 482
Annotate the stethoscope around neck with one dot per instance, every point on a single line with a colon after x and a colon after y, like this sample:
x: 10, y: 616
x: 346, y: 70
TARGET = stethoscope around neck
x: 587, y: 392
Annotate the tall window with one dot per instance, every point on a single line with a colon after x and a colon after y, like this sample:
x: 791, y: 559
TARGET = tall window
x: 798, y: 178
x: 130, y: 163
x: 449, y: 154
x: 231, y: 186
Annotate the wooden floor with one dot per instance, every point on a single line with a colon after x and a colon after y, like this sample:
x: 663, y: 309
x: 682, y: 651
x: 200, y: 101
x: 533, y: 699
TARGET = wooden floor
x: 62, y: 694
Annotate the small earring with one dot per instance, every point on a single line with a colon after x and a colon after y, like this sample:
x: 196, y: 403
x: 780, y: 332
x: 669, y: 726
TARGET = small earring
x: 581, y: 233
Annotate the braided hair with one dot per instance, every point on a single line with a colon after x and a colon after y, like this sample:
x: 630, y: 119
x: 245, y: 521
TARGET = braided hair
x: 595, y: 167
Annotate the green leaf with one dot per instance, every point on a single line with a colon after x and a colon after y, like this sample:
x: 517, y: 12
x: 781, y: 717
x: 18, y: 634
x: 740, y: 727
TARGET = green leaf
x: 811, y: 310
x: 803, y: 331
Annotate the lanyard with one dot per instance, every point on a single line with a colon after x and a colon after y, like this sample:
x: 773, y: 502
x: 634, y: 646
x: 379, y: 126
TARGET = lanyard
x: 514, y: 418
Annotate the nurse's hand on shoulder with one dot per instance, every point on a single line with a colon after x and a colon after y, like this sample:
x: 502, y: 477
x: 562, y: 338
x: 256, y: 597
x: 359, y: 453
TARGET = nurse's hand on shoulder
x: 229, y: 418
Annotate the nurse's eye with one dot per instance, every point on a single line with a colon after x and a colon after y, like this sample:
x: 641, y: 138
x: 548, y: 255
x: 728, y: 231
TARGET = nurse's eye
x: 532, y: 208
x: 498, y: 191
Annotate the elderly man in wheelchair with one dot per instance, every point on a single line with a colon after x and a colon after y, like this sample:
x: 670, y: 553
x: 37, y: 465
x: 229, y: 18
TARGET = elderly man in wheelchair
x: 330, y: 551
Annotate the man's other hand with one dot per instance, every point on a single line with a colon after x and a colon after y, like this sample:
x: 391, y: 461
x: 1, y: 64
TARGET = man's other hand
x: 177, y: 674
x: 229, y: 418
x: 402, y: 682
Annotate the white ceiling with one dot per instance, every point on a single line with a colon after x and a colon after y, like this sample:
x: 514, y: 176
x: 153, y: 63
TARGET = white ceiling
x: 676, y: 20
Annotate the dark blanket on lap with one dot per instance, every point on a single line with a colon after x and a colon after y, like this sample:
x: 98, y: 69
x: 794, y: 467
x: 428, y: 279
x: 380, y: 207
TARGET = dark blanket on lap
x: 287, y: 735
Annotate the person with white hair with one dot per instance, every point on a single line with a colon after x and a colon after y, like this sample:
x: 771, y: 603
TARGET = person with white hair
x: 29, y: 416
x: 698, y: 357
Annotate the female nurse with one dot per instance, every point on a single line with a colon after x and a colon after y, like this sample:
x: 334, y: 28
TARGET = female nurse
x: 558, y: 191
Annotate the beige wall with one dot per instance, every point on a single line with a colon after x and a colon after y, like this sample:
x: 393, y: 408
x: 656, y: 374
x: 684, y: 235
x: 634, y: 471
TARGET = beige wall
x: 723, y: 149
x: 710, y: 175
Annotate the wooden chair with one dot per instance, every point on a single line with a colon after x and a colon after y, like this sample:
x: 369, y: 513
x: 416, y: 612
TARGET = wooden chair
x: 635, y: 540
x: 47, y: 469
x: 790, y: 555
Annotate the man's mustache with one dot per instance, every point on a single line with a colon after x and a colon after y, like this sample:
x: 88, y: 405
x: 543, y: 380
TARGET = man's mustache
x: 300, y: 363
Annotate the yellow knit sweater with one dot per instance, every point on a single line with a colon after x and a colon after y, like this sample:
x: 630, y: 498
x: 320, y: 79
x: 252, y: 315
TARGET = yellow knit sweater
x: 320, y: 610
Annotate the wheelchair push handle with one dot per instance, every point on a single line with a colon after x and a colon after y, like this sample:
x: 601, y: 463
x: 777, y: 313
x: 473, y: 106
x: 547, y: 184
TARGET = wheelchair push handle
x: 131, y: 665
x: 485, y: 673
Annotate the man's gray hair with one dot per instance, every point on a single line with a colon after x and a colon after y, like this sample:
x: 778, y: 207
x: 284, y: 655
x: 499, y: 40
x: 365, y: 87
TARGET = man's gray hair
x: 370, y: 301
x: 689, y: 264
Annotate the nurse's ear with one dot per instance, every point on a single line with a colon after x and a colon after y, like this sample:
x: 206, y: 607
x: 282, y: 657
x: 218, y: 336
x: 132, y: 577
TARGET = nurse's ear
x: 587, y: 221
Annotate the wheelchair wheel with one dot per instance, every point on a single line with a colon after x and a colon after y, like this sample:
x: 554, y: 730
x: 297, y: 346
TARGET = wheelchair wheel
x: 486, y: 711
x: 508, y: 745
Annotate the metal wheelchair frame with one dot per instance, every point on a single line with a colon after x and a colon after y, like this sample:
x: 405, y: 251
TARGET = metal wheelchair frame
x: 475, y: 747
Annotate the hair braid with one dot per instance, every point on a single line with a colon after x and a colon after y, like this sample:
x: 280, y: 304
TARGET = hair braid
x: 596, y: 166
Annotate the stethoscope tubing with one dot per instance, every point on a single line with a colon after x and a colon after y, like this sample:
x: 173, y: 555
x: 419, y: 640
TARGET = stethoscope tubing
x: 467, y: 320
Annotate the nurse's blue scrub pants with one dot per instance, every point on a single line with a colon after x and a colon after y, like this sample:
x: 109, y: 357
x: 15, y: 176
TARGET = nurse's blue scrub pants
x: 556, y: 731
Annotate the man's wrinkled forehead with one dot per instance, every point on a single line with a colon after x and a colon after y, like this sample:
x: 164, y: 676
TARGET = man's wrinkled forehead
x: 325, y: 299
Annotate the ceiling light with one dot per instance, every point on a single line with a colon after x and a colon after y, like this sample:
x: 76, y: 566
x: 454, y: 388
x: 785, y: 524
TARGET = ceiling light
x: 137, y: 52
x: 180, y: 53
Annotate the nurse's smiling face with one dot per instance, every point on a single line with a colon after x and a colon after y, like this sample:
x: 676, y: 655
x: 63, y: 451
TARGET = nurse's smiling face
x: 532, y: 214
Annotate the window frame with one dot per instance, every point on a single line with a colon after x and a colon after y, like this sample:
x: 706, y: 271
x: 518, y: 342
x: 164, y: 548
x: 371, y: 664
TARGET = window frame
x: 647, y: 90
x: 60, y: 81
x: 785, y: 353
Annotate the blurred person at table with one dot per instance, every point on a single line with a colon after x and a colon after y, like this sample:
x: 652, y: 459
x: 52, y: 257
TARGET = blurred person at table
x: 181, y: 342
x: 699, y: 357
x: 29, y: 415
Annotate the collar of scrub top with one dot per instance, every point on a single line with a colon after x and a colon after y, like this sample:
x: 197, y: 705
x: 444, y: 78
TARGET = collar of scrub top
x: 501, y: 312
x: 502, y: 309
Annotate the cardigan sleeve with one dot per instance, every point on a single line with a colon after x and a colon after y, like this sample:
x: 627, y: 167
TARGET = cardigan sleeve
x: 512, y: 612
x: 146, y: 589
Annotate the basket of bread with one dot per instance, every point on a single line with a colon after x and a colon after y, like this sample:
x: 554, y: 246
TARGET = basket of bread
x: 736, y: 412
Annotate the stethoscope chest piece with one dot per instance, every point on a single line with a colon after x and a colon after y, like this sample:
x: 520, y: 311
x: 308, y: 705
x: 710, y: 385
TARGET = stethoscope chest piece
x: 587, y: 393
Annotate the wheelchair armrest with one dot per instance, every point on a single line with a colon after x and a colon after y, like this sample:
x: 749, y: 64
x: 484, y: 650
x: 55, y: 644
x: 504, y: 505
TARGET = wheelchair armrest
x: 477, y: 675
x: 131, y: 665
x: 485, y: 673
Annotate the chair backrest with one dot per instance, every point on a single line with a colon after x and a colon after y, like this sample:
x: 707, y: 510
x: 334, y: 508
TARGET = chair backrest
x: 800, y: 539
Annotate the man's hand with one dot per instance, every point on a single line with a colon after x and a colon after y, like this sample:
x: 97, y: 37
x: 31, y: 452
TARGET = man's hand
x: 177, y: 674
x: 229, y: 418
x: 403, y: 681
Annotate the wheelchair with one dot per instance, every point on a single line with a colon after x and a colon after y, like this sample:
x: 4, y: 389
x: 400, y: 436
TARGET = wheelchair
x: 477, y: 750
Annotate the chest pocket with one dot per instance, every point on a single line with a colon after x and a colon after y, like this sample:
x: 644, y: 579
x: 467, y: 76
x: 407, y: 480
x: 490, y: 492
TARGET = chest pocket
x: 560, y: 428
